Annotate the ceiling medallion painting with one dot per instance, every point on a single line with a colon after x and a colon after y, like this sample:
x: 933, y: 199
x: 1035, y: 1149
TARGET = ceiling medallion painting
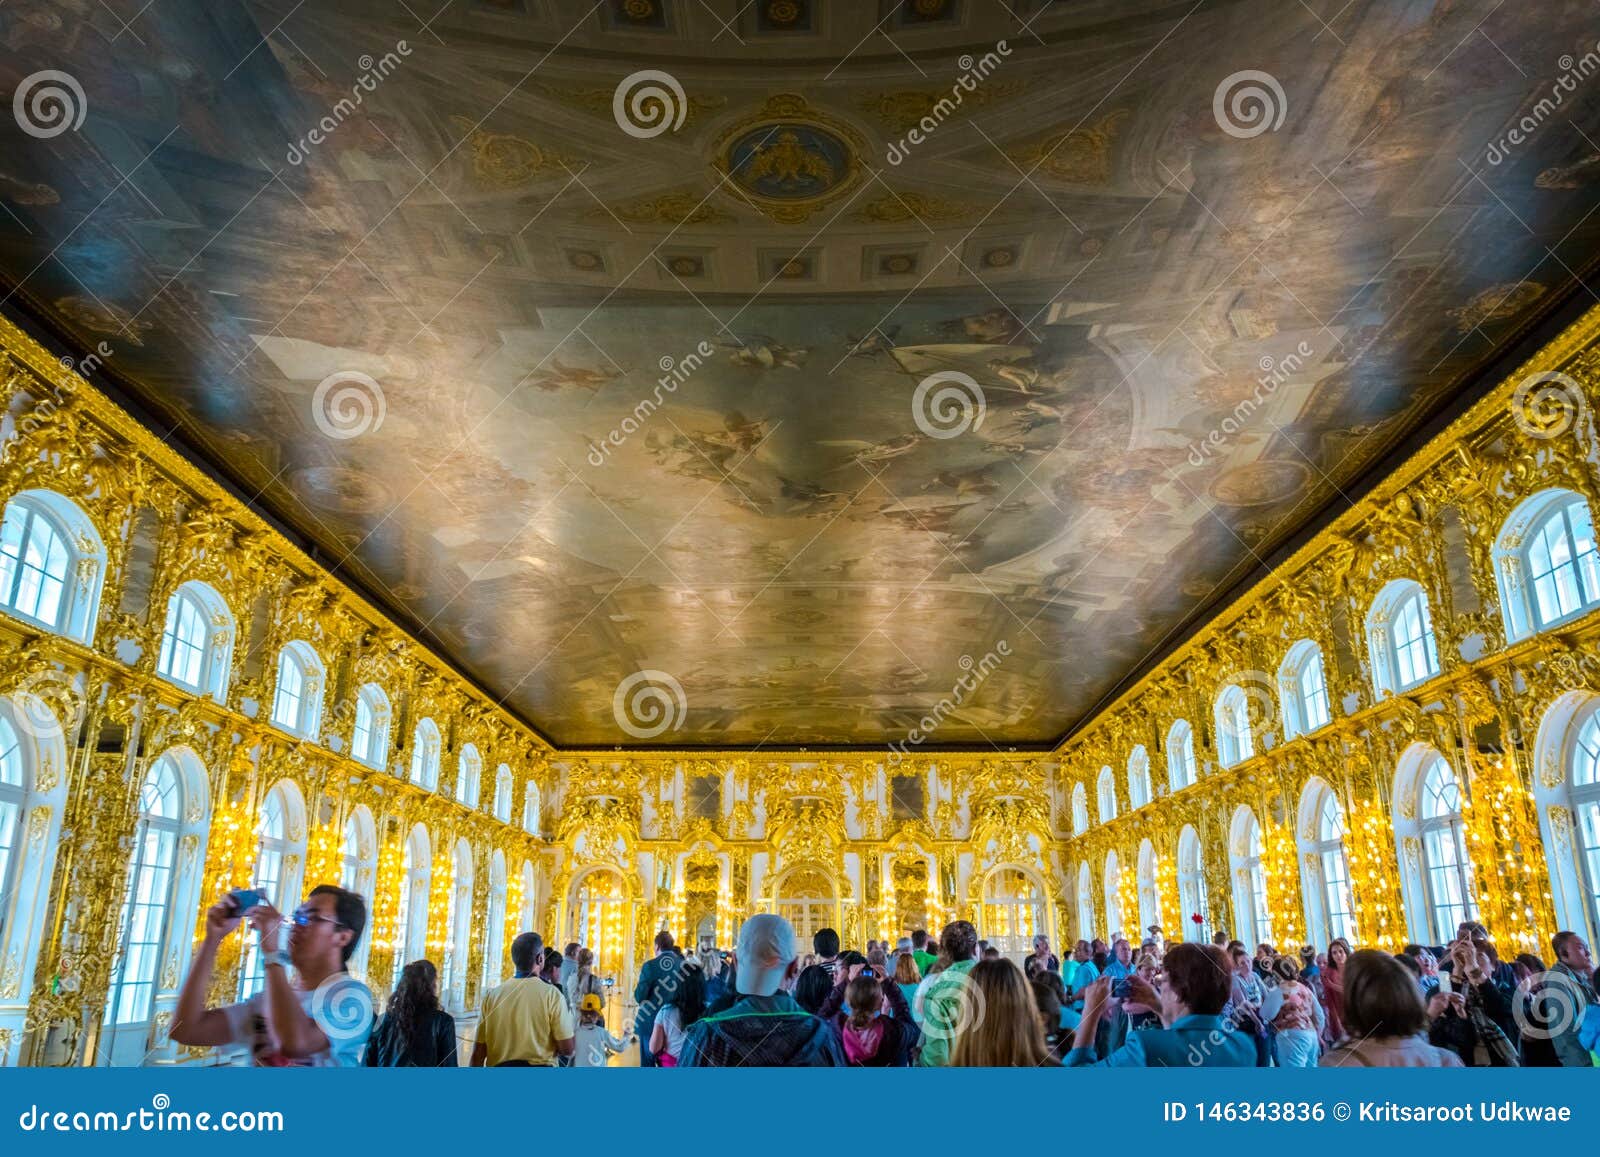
x: 790, y: 159
x: 741, y: 412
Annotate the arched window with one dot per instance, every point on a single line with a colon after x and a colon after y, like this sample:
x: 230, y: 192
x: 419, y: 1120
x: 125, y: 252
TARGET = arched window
x: 1149, y: 893
x: 1112, y: 886
x: 425, y: 755
x: 495, y: 933
x: 1192, y: 887
x: 197, y: 642
x: 1430, y: 832
x: 297, y: 701
x: 530, y: 886
x: 280, y: 856
x: 13, y: 794
x: 52, y: 563
x: 530, y: 809
x: 1567, y: 789
x: 469, y: 770
x: 1180, y: 755
x: 159, y: 902
x: 1085, y: 903
x: 1138, y: 778
x: 358, y: 873
x: 411, y: 921
x: 503, y: 790
x: 1106, y: 795
x: 1400, y: 638
x: 1253, y: 916
x: 1546, y: 562
x: 369, y: 739
x: 1080, y: 809
x: 1325, y: 870
x: 1303, y: 690
x: 1234, y: 742
x: 459, y: 921
x: 33, y: 795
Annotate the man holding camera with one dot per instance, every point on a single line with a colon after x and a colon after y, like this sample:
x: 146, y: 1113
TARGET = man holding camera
x: 319, y: 1017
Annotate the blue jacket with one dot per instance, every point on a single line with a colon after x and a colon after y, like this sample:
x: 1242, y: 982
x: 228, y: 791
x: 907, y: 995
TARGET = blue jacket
x: 1193, y: 1042
x: 651, y: 993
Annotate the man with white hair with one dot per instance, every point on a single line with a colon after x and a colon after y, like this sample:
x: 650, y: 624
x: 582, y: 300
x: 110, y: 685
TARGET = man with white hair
x: 764, y: 1026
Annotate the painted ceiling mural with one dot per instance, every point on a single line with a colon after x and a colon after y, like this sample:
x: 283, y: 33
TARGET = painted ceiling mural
x: 816, y: 362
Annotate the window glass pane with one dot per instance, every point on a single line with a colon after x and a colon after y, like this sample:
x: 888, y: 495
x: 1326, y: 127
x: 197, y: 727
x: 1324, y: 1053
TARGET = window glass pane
x: 34, y: 564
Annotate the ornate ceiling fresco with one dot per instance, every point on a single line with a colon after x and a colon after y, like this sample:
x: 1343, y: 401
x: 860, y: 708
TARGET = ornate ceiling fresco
x: 601, y: 386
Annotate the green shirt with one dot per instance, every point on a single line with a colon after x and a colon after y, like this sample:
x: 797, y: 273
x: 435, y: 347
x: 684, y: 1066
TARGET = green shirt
x: 942, y: 1014
x: 924, y: 961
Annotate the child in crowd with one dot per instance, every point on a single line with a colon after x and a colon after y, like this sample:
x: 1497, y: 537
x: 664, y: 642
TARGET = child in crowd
x: 594, y: 1045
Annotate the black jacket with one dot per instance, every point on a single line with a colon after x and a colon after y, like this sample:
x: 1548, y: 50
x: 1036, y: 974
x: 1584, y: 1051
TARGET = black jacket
x: 435, y: 1048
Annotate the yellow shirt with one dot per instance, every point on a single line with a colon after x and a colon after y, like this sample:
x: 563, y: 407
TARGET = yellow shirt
x: 522, y: 1021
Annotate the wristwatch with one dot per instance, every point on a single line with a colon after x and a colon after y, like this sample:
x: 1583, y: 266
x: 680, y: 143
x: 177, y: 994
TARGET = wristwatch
x: 280, y: 958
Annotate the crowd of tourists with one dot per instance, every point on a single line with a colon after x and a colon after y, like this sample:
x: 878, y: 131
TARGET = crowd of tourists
x: 954, y: 1000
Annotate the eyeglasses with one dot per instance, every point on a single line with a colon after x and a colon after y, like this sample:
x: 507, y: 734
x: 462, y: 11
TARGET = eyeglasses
x: 304, y: 916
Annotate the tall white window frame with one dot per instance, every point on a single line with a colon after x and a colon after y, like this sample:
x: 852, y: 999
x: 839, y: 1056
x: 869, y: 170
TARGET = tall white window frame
x: 1325, y: 865
x: 1149, y: 891
x: 1192, y: 890
x: 1235, y: 744
x: 469, y: 775
x: 1111, y: 886
x: 1139, y: 787
x: 297, y: 692
x: 1080, y: 809
x: 358, y: 873
x: 1303, y: 690
x: 280, y: 862
x: 1436, y: 870
x: 530, y: 809
x: 1106, y: 794
x: 197, y: 640
x: 1401, y: 645
x: 1567, y: 795
x: 411, y: 921
x: 1085, y: 902
x: 369, y: 736
x: 504, y: 789
x: 1252, y: 912
x: 458, y: 919
x: 1547, y: 563
x: 1181, y: 770
x: 52, y: 564
x: 425, y: 747
x: 495, y: 932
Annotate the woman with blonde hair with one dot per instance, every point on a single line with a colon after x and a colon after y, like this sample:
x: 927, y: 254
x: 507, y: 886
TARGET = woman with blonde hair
x: 583, y: 982
x: 907, y: 975
x: 997, y: 1025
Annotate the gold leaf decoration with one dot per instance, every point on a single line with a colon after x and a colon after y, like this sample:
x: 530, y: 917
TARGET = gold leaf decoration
x: 1078, y: 156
